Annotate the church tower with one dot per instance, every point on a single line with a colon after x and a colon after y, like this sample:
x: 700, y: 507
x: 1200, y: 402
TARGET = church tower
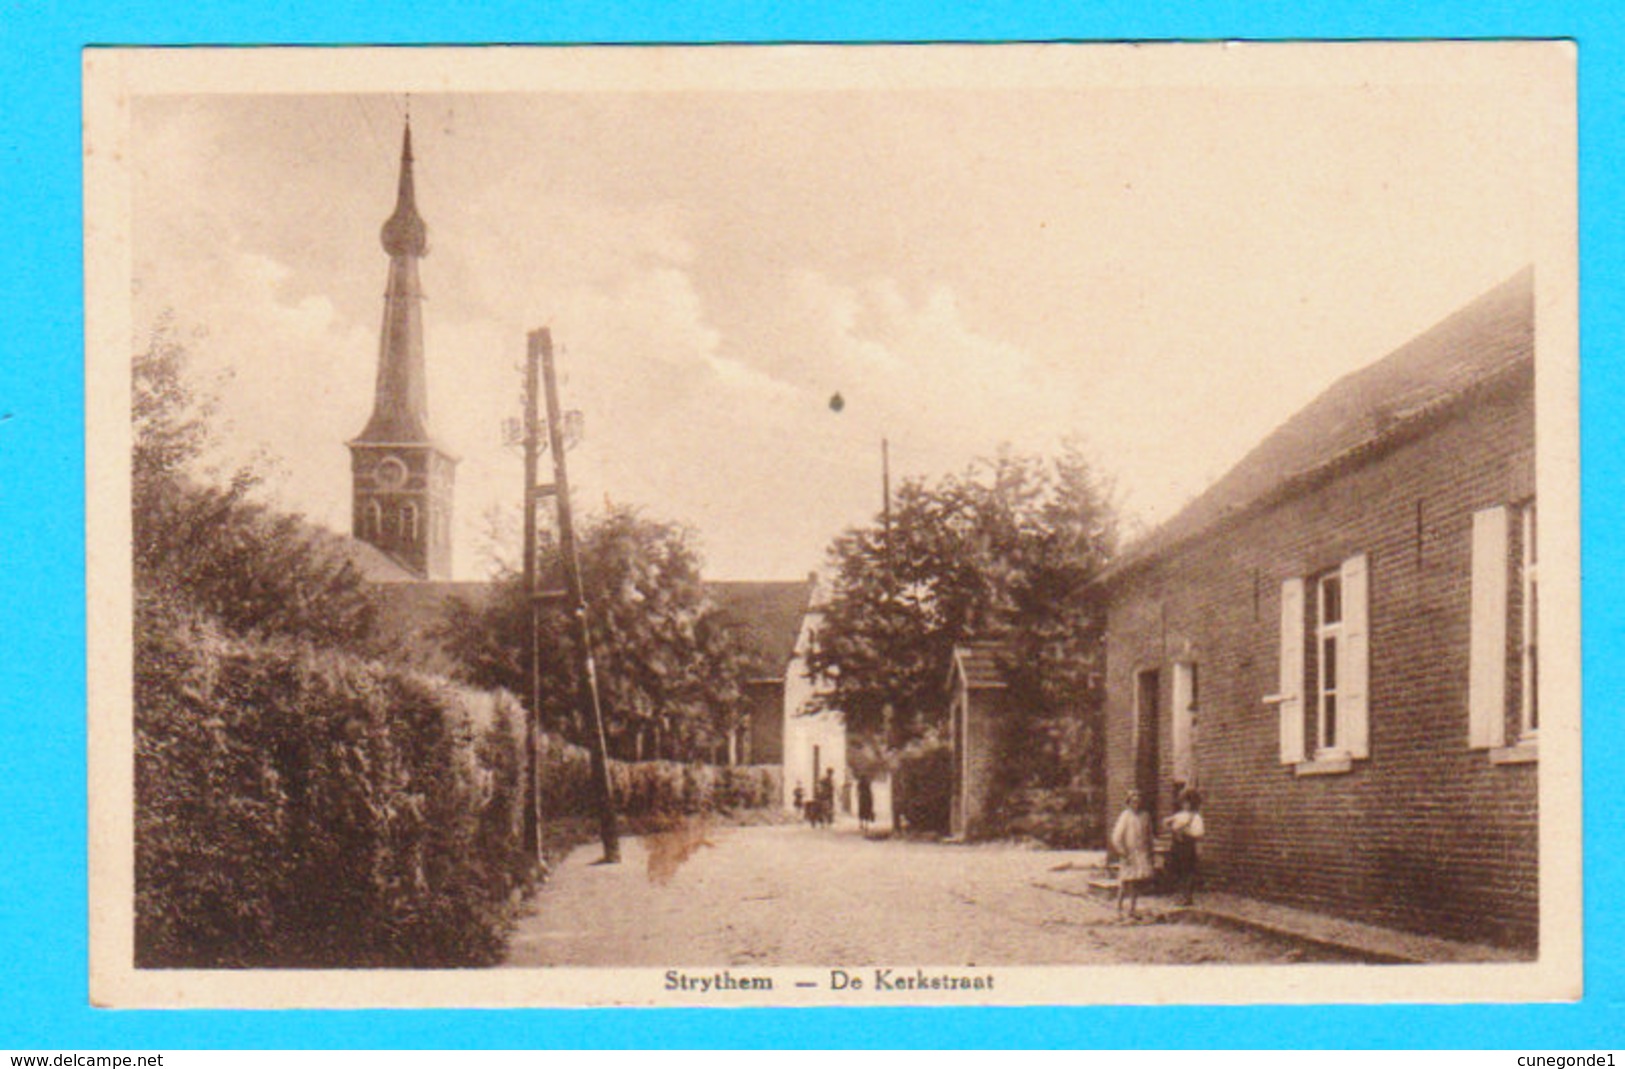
x: 401, y: 479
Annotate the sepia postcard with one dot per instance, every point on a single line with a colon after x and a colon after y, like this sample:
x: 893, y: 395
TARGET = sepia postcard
x: 1021, y: 524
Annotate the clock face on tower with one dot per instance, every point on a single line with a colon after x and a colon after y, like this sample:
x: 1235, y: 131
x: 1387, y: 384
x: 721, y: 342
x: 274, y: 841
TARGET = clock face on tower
x: 390, y: 473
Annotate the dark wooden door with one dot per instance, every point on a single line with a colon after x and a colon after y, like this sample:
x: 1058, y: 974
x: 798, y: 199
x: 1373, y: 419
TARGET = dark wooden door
x: 1147, y: 695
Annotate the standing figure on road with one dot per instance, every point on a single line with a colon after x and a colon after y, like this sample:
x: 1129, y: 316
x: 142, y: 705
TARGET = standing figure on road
x: 866, y: 803
x: 1131, y: 840
x: 1186, y: 827
x: 826, y: 798
x: 800, y: 797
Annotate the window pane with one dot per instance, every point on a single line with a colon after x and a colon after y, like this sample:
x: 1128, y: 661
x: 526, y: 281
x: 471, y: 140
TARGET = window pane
x: 1534, y: 692
x: 1330, y: 738
x: 1328, y: 664
x: 1531, y: 656
x: 1331, y: 599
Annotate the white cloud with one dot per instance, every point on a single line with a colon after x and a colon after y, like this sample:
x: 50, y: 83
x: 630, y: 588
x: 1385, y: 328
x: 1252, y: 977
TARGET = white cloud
x: 915, y: 370
x: 715, y: 268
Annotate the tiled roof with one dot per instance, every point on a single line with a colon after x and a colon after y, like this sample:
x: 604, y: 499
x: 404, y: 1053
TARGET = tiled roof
x: 417, y: 605
x: 767, y: 615
x: 412, y: 617
x: 1485, y: 342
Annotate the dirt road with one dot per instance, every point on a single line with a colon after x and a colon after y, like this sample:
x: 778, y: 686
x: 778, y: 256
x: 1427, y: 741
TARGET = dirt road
x: 793, y: 895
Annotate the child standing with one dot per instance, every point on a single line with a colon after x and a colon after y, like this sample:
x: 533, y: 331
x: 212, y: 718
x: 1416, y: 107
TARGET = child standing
x: 1131, y: 839
x: 1186, y: 827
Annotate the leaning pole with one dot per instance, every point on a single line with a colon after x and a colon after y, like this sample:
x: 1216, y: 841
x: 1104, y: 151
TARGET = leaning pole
x: 588, y: 704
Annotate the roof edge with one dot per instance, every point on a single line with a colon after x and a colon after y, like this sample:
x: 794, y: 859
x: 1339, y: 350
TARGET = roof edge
x: 1298, y: 483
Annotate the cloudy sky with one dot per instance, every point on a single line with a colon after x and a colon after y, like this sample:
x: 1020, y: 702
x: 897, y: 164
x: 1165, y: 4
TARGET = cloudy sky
x: 1163, y: 271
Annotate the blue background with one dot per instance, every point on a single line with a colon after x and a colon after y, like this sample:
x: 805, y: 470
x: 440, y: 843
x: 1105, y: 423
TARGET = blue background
x: 43, y: 904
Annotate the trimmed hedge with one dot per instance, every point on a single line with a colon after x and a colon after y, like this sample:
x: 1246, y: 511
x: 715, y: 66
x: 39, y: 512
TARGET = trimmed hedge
x: 303, y: 808
x: 1063, y: 818
x: 651, y: 788
x: 923, y: 790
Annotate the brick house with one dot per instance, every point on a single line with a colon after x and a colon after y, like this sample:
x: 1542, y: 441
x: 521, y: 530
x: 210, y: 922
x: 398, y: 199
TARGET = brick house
x: 776, y: 621
x: 767, y: 618
x: 1336, y: 644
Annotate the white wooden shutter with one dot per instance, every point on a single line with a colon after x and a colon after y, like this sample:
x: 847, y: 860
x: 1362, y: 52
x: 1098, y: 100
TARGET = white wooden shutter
x: 1291, y: 690
x: 1184, y: 698
x: 1487, y: 657
x: 1354, y: 660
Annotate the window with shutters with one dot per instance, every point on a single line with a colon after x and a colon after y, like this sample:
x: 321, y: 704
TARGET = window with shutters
x: 1324, y: 669
x: 1528, y: 605
x: 1328, y: 631
x: 1503, y: 683
x: 1184, y: 723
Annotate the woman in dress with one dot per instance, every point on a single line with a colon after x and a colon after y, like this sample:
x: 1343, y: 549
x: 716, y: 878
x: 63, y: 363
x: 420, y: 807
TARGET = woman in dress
x: 1131, y: 840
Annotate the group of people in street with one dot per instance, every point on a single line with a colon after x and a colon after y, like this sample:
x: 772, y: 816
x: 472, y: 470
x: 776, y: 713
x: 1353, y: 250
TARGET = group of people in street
x: 1133, y: 837
x: 1133, y: 841
x: 819, y: 810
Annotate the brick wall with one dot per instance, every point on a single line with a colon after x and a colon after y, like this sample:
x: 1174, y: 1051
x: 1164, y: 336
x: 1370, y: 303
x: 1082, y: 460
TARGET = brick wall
x: 1426, y: 834
x: 984, y: 710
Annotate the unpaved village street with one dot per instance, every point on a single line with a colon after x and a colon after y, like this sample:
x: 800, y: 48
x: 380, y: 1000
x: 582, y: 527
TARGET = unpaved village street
x: 794, y: 895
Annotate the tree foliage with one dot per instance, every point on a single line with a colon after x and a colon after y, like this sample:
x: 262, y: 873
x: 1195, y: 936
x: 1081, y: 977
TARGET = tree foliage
x: 295, y: 805
x: 670, y: 671
x: 200, y: 541
x: 1006, y: 551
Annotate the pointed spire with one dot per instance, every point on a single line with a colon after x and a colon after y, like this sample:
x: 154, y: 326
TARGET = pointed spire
x: 400, y: 404
x: 404, y: 233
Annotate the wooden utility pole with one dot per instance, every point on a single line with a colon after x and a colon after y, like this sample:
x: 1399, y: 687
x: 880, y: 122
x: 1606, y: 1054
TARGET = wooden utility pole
x: 885, y: 494
x: 888, y: 714
x: 591, y: 711
x: 534, y: 845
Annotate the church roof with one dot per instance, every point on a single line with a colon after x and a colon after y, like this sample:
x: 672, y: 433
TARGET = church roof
x: 376, y: 566
x: 412, y: 617
x: 766, y: 616
x: 1488, y: 341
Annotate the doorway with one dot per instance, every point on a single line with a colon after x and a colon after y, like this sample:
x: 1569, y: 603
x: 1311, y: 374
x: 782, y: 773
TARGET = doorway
x: 1147, y: 690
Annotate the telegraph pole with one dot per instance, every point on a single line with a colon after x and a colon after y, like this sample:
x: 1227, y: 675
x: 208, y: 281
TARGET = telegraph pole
x: 885, y: 493
x: 888, y: 713
x: 534, y: 845
x: 591, y: 711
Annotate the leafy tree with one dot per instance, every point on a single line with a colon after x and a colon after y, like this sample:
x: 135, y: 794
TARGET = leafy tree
x: 201, y: 542
x: 670, y: 672
x: 1006, y: 551
x: 295, y: 806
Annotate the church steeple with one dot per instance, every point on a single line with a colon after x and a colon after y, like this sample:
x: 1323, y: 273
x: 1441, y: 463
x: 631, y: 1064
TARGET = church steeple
x: 402, y: 481
x: 404, y: 233
x: 400, y: 410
